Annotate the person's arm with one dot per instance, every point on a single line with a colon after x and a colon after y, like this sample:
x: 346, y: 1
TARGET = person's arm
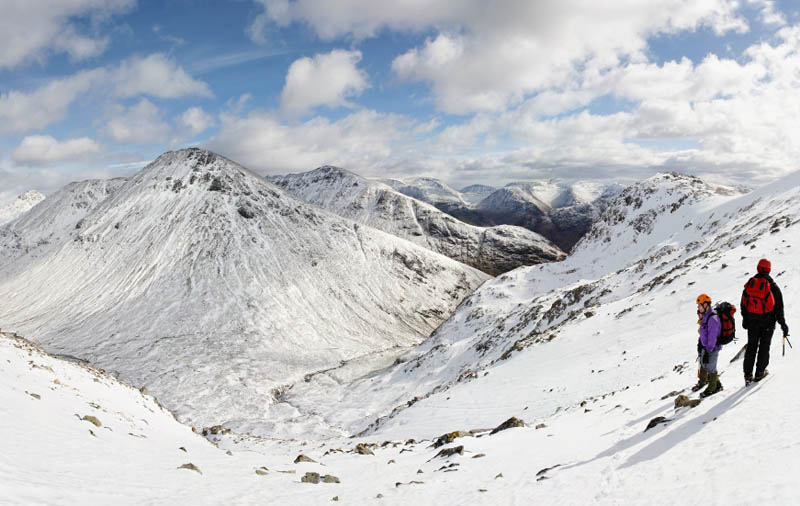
x: 712, y: 332
x: 745, y: 314
x: 779, y: 316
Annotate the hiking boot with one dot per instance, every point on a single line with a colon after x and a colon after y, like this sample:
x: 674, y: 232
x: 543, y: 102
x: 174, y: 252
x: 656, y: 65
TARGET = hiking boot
x: 748, y: 379
x: 761, y: 376
x: 702, y: 380
x: 714, y: 386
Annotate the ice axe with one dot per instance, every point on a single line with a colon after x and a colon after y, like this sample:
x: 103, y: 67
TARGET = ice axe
x: 786, y: 340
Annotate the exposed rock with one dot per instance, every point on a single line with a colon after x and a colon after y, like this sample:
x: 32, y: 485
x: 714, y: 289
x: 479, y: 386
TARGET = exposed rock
x: 215, y: 430
x: 543, y: 471
x: 35, y: 396
x: 672, y: 394
x: 310, y: 478
x: 683, y: 400
x: 655, y: 421
x: 498, y: 476
x: 335, y: 498
x: 362, y: 449
x: 478, y: 455
x: 92, y: 419
x: 448, y: 452
x: 183, y: 449
x: 508, y: 424
x: 303, y: 458
x: 262, y: 471
x: 190, y: 467
x: 329, y: 478
x: 540, y: 426
x: 449, y: 438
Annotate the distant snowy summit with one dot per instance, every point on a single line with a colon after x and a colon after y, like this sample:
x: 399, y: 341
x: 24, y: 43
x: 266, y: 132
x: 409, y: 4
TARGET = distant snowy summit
x: 213, y: 287
x: 19, y: 206
x: 560, y: 211
x: 493, y: 250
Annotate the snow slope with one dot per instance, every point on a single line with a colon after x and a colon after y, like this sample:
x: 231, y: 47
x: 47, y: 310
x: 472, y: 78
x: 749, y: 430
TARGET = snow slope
x: 493, y: 250
x: 19, y: 206
x: 212, y: 287
x: 586, y: 351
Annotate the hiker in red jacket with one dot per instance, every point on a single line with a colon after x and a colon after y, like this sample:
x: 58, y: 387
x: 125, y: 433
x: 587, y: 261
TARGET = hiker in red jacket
x: 762, y: 308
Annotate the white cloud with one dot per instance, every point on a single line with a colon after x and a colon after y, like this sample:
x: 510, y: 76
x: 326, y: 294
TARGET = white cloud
x: 44, y: 149
x: 489, y: 55
x: 195, y: 120
x: 155, y: 75
x: 327, y: 79
x: 22, y: 112
x: 32, y: 29
x: 364, y: 140
x: 139, y: 124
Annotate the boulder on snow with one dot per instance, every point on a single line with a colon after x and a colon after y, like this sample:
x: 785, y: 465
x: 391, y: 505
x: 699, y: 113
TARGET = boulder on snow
x: 447, y: 452
x: 93, y: 420
x: 656, y: 421
x: 449, y: 438
x: 190, y: 467
x: 310, y: 478
x: 216, y: 429
x: 683, y: 400
x: 303, y: 458
x: 362, y: 449
x: 329, y: 478
x: 508, y: 424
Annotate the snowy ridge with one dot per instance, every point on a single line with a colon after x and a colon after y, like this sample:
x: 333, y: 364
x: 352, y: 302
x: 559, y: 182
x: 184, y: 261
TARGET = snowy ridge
x: 493, y: 250
x: 212, y: 287
x: 586, y: 351
x: 19, y: 206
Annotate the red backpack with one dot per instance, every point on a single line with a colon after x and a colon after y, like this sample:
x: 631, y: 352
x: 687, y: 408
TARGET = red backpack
x: 727, y: 332
x: 757, y: 296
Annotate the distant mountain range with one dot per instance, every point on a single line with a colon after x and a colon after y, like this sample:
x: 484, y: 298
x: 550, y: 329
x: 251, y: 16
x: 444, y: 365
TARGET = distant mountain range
x: 493, y: 250
x: 559, y: 210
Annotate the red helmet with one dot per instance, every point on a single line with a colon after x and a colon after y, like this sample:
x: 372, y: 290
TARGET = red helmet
x: 764, y: 266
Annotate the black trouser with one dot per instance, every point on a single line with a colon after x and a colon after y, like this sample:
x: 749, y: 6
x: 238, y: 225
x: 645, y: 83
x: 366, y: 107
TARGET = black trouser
x: 758, y: 340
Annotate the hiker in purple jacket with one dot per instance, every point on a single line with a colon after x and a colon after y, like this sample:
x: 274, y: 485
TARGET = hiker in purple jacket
x: 708, y: 349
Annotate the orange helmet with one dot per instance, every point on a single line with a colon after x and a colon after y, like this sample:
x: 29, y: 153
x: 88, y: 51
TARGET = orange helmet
x: 703, y: 298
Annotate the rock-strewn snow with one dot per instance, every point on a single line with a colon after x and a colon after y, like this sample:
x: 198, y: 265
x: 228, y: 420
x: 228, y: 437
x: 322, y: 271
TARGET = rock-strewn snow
x: 19, y: 206
x: 213, y: 287
x: 586, y: 351
x: 493, y: 250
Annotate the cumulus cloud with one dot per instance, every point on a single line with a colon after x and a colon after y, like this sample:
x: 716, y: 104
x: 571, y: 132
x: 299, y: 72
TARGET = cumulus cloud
x: 142, y: 123
x: 32, y: 29
x: 487, y: 56
x: 155, y: 75
x: 364, y: 140
x: 327, y: 79
x: 44, y: 149
x: 195, y: 120
x: 22, y: 112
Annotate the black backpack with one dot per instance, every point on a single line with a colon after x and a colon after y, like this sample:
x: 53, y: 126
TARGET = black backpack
x: 727, y: 333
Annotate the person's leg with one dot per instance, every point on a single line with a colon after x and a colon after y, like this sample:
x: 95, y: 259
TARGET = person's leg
x: 753, y: 335
x: 764, y: 342
x: 714, y: 384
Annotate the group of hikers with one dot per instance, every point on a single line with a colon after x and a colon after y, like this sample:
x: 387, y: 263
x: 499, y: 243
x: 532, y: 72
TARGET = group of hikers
x: 762, y: 309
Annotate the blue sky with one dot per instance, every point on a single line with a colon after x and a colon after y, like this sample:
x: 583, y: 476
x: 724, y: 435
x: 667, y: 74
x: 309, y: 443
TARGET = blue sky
x: 469, y: 91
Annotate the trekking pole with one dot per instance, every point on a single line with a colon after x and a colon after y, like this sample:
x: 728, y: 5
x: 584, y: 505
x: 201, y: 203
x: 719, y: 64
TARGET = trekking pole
x: 786, y: 340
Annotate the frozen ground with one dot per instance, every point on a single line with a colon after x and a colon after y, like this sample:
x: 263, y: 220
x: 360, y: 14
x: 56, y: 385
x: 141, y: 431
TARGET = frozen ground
x: 590, y: 350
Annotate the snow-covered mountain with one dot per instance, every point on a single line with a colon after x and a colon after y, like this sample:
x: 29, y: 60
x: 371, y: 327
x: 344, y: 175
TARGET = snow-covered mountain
x: 589, y: 352
x: 562, y: 211
x: 213, y: 287
x: 19, y: 206
x: 476, y: 192
x: 558, y: 210
x: 493, y: 250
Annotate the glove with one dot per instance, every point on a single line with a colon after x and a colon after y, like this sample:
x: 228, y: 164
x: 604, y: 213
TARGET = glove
x: 705, y: 357
x: 785, y: 329
x: 744, y: 324
x: 699, y: 347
